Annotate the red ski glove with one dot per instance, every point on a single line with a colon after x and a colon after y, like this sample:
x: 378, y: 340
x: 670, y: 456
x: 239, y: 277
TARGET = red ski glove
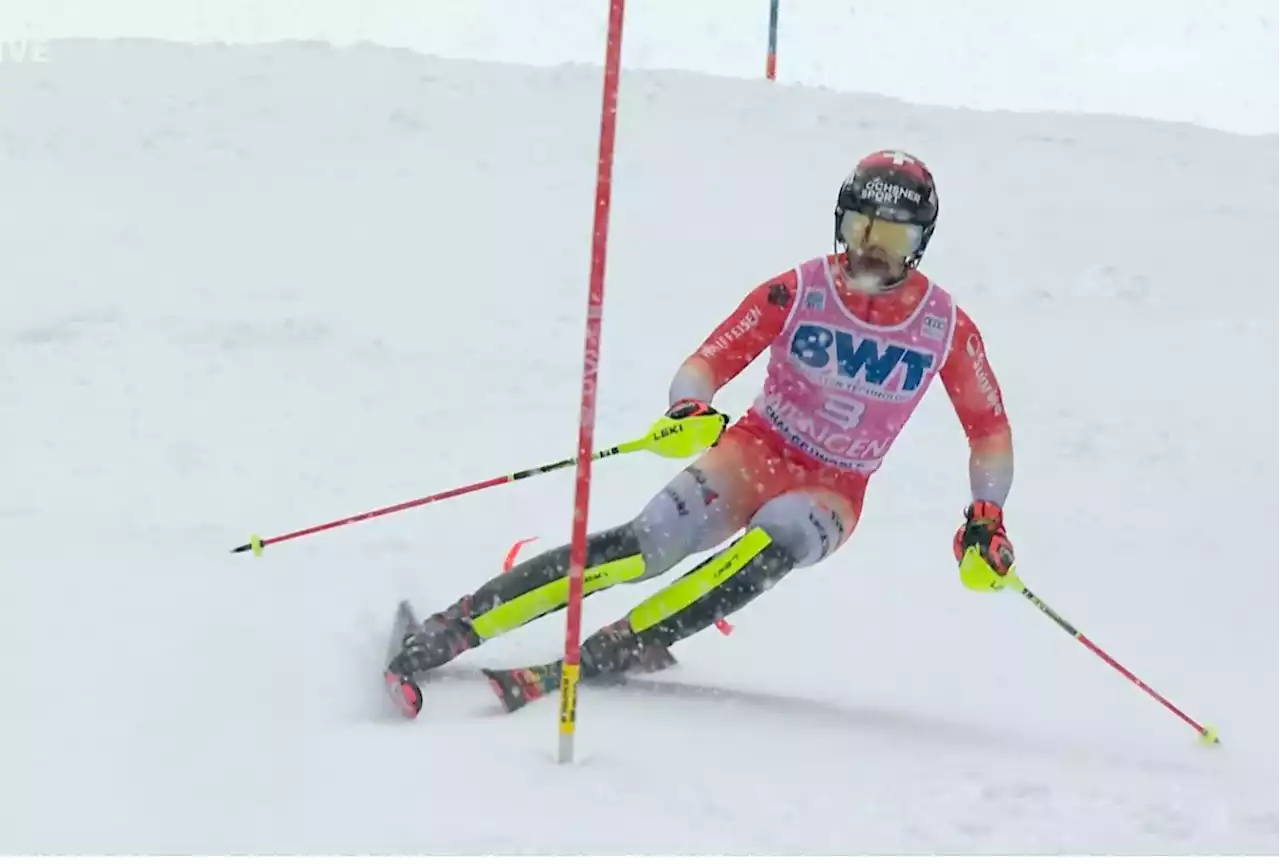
x: 984, y: 528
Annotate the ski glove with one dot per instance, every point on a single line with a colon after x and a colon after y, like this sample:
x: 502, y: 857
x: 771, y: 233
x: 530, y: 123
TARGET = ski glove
x: 692, y: 408
x: 984, y: 528
x: 687, y: 428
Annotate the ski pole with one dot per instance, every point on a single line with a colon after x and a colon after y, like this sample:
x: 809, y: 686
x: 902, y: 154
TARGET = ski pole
x: 668, y: 437
x: 977, y: 575
x: 256, y: 544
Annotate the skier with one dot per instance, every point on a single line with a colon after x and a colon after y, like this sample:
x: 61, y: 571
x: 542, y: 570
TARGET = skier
x: 855, y: 338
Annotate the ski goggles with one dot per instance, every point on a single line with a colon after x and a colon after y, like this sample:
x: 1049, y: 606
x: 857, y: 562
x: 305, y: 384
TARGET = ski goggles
x: 860, y: 231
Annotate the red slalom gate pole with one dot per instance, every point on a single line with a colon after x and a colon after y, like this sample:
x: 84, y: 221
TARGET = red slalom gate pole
x: 771, y: 61
x: 590, y: 368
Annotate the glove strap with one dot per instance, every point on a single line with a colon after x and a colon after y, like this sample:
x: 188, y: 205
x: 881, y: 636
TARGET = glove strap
x: 690, y: 408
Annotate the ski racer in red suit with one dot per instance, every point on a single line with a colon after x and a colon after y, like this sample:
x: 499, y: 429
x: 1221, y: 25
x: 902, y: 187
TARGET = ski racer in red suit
x: 854, y: 340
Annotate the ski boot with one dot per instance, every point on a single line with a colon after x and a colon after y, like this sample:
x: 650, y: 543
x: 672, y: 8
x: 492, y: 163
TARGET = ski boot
x: 418, y: 647
x: 607, y: 656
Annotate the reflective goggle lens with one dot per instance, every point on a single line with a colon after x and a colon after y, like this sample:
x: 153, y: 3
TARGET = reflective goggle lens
x: 861, y: 231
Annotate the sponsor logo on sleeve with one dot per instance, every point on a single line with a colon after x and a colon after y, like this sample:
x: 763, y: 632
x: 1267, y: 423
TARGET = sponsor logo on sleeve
x: 978, y: 357
x: 733, y: 334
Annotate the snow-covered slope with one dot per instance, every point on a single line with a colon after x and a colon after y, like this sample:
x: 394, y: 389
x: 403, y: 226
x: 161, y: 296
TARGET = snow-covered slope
x: 252, y: 289
x: 1187, y: 60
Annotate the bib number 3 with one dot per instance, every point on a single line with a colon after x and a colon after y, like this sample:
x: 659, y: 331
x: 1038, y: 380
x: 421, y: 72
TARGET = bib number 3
x: 845, y: 413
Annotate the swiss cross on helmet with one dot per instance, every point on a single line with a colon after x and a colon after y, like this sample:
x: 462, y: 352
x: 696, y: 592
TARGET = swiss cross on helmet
x: 892, y: 191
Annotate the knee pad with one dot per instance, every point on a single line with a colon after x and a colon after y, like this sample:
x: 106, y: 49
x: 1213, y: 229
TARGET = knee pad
x: 803, y: 525
x: 686, y: 517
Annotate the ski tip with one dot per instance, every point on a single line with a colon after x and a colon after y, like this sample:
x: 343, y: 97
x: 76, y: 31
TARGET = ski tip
x: 405, y: 694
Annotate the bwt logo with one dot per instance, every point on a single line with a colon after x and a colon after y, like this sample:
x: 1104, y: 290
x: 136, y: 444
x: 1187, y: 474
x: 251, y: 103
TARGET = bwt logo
x: 24, y: 51
x: 812, y: 346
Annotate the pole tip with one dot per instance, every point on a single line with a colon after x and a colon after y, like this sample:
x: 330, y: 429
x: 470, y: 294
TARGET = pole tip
x: 1209, y: 735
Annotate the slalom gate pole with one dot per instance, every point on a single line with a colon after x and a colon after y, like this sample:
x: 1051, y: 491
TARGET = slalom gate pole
x: 771, y: 61
x: 590, y: 369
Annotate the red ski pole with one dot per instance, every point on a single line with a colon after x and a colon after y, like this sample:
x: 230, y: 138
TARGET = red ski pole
x: 978, y: 576
x: 256, y: 544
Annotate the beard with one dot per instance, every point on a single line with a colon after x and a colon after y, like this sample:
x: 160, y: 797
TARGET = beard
x: 873, y: 271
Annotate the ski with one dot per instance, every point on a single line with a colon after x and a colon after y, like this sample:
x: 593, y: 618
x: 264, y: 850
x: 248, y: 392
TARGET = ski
x: 404, y: 691
x: 518, y: 686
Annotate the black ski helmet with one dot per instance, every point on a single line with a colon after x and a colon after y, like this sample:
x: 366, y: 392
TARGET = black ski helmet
x: 893, y: 186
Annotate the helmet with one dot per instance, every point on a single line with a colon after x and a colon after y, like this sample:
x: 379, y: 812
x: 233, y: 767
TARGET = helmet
x: 891, y: 200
